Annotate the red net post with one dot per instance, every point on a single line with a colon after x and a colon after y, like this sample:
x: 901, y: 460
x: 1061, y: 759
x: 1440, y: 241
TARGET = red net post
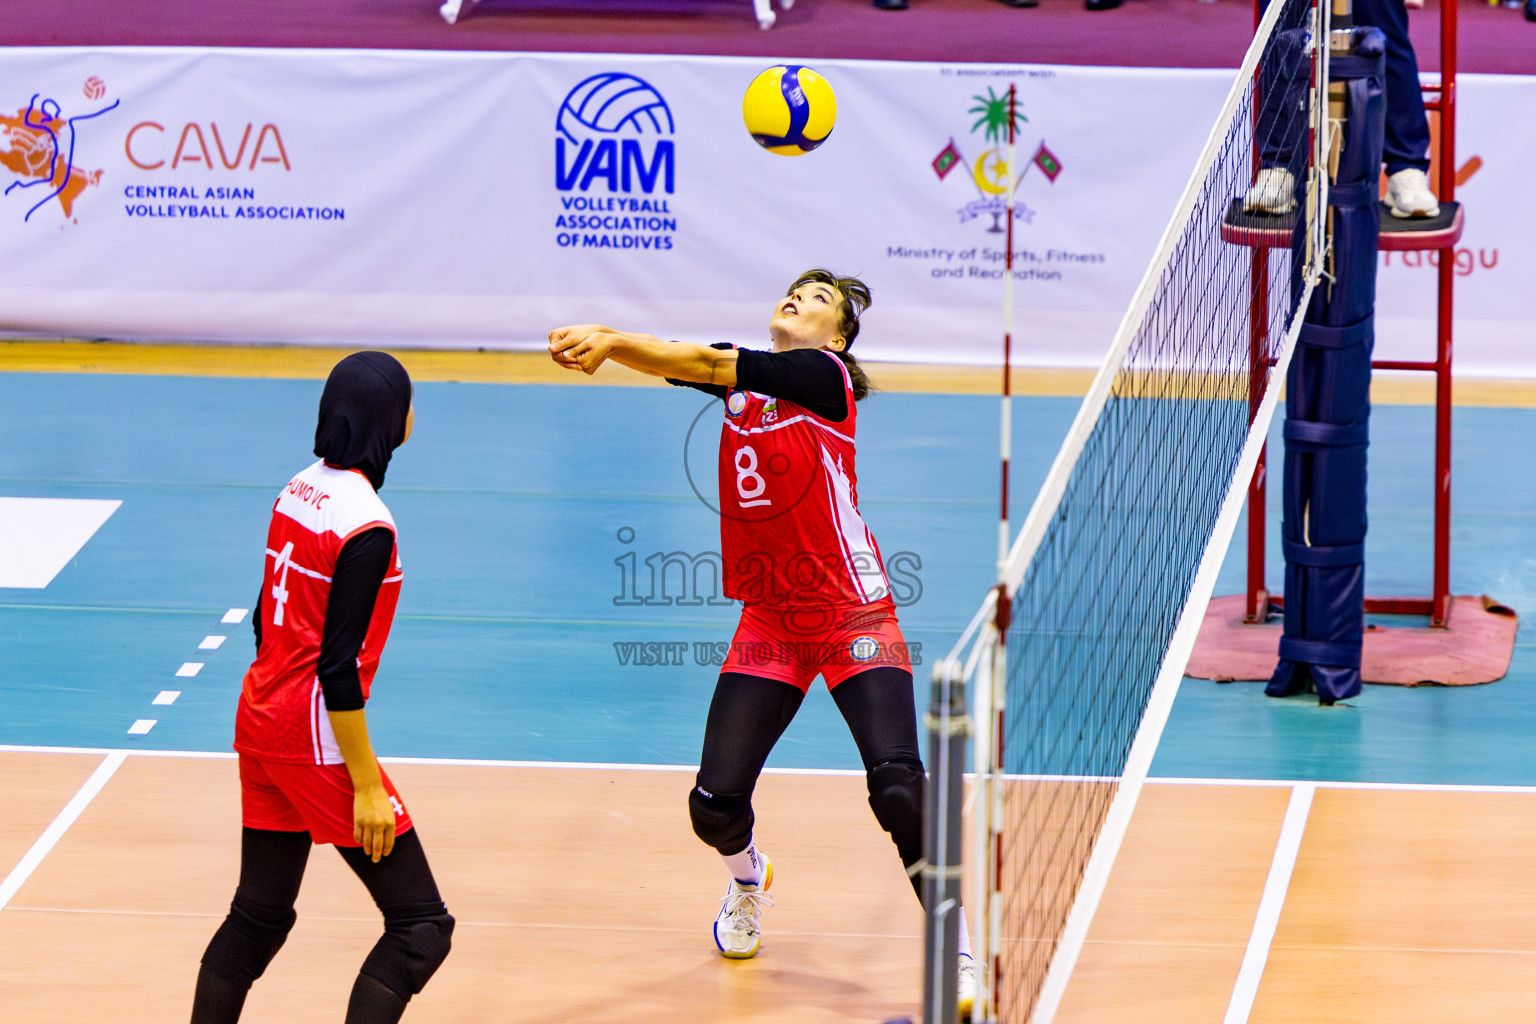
x: 1257, y: 597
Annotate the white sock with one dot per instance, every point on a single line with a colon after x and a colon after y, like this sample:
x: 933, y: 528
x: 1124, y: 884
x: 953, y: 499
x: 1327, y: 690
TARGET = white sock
x: 747, y: 866
x: 965, y: 935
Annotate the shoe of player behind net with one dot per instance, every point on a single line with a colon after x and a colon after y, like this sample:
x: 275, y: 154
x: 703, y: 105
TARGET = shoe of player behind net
x: 738, y: 929
x: 1273, y: 192
x: 1408, y: 195
x: 966, y: 995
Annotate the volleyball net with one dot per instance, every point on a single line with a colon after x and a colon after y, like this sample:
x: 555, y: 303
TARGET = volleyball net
x: 1073, y: 661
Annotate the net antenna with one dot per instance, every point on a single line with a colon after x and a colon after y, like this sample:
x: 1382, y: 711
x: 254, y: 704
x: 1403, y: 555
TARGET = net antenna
x: 1075, y: 657
x: 1005, y: 417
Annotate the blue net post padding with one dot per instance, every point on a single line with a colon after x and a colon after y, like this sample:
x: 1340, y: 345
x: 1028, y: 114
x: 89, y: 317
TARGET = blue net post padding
x: 1328, y: 409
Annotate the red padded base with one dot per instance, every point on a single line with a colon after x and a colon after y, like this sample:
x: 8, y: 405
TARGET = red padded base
x: 1475, y: 646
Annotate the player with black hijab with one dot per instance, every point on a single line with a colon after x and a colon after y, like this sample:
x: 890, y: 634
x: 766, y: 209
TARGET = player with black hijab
x: 307, y: 770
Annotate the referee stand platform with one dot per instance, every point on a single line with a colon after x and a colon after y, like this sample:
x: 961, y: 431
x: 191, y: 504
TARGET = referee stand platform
x: 1467, y: 639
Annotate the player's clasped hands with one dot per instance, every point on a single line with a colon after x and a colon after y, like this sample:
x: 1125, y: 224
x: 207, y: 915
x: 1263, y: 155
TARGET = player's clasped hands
x: 581, y: 347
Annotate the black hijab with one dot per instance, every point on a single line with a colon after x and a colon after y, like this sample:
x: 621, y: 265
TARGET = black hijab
x: 362, y: 414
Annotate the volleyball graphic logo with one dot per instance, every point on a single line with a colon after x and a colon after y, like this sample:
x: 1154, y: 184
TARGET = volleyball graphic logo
x: 610, y: 103
x: 789, y: 109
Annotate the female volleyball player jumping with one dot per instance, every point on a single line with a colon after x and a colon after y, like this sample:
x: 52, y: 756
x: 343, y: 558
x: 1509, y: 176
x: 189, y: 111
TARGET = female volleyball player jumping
x: 815, y: 598
x: 307, y: 770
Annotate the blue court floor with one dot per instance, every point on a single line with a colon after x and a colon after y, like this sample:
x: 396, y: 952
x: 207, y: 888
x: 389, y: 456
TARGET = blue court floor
x: 530, y: 612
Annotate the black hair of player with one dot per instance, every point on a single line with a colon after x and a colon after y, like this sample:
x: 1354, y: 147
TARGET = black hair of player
x: 856, y: 299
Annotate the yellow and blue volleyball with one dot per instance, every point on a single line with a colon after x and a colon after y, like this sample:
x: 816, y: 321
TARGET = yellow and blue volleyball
x: 789, y: 109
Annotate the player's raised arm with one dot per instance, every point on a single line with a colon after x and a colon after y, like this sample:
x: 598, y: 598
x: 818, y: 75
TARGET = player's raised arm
x: 585, y: 347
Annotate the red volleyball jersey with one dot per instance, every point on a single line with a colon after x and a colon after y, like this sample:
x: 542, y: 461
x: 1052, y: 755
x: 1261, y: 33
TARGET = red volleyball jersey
x: 282, y: 714
x: 790, y: 527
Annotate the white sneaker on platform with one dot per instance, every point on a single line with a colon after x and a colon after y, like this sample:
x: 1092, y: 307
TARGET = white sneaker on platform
x: 738, y: 930
x: 1273, y: 192
x: 1408, y: 195
x: 967, y: 989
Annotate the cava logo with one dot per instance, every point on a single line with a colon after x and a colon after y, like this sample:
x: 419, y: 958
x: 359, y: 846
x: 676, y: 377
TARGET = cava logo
x: 148, y: 147
x: 207, y: 171
x: 615, y: 165
x: 989, y: 171
x: 39, y: 146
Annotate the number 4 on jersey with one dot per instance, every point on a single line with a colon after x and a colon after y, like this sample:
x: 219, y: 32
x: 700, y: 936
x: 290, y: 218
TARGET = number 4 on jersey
x: 280, y: 582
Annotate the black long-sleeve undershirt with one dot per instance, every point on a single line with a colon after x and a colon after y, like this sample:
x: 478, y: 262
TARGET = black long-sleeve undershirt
x: 361, y: 566
x: 805, y: 376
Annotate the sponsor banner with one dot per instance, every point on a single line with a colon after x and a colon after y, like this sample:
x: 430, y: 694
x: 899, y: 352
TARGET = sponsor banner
x: 1495, y: 320
x: 458, y: 199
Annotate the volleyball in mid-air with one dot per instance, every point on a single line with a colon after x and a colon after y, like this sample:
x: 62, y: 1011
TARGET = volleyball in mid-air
x: 789, y: 109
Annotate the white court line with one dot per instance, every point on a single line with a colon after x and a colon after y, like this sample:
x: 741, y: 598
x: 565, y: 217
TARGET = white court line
x: 166, y: 697
x: 20, y: 748
x: 142, y: 726
x: 235, y: 616
x: 478, y: 762
x: 72, y: 810
x: 189, y: 669
x: 1270, y: 905
x: 212, y: 643
x: 598, y: 765
x: 1402, y: 787
x: 8, y: 748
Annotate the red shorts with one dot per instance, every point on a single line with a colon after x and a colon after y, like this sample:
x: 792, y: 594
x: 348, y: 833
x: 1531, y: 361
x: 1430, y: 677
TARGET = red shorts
x: 313, y: 798
x: 794, y: 645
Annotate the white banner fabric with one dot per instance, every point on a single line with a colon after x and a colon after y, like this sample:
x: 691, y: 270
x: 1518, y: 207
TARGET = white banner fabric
x: 472, y: 199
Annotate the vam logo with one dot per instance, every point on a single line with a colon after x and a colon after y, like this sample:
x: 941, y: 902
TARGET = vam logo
x: 615, y: 165
x: 600, y: 131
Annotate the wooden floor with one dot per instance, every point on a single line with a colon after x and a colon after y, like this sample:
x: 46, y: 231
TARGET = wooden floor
x: 581, y: 895
x: 1409, y: 907
x: 1175, y: 919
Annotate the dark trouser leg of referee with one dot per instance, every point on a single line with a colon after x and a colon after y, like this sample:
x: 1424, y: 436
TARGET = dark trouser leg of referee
x: 1407, y: 139
x: 418, y: 931
x: 881, y: 712
x: 271, y: 870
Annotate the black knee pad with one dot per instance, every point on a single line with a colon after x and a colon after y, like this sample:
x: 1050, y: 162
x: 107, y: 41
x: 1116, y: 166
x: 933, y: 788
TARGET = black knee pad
x: 414, y: 945
x: 248, y: 939
x: 896, y: 791
x: 723, y: 820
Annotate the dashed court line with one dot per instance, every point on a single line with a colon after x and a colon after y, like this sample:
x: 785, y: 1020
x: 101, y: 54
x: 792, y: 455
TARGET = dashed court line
x: 188, y: 670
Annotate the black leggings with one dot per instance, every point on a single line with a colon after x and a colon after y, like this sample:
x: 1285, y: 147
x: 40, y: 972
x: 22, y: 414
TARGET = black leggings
x: 271, y: 870
x: 272, y: 867
x: 749, y: 713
